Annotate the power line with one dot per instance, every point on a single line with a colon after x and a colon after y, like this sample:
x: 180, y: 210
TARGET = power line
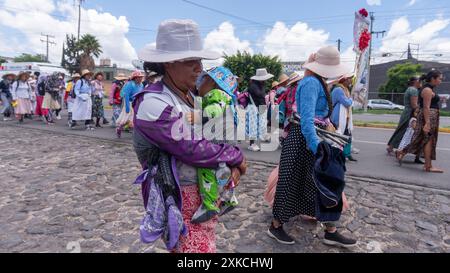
x: 48, y: 42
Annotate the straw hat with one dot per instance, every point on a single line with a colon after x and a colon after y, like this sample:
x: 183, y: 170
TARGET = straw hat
x: 21, y: 73
x: 275, y: 84
x: 85, y: 72
x: 293, y: 78
x: 8, y: 74
x: 262, y: 75
x: 121, y: 77
x: 76, y: 76
x: 283, y: 78
x: 136, y: 74
x: 177, y: 40
x: 326, y: 63
x: 345, y: 76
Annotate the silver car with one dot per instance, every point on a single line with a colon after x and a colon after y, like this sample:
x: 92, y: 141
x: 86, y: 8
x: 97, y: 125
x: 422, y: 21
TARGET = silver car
x: 384, y: 104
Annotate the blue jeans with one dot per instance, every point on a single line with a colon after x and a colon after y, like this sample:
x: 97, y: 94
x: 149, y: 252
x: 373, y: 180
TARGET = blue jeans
x: 7, y: 108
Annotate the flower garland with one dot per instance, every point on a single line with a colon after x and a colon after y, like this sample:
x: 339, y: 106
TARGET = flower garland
x: 363, y: 13
x: 364, y: 40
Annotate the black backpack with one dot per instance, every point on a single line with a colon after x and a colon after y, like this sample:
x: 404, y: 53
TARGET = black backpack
x: 72, y: 92
x: 41, y: 88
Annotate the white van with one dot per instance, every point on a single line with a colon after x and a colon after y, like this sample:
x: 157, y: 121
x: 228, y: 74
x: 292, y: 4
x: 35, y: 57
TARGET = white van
x: 43, y: 68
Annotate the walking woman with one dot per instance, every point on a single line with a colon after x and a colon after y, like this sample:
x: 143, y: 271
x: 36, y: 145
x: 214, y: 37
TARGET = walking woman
x: 114, y: 97
x: 42, y: 113
x: 50, y: 104
x: 257, y: 123
x: 127, y: 94
x: 411, y: 104
x: 21, y: 93
x: 70, y: 90
x: 161, y: 110
x: 427, y: 128
x: 296, y: 191
x: 82, y: 107
x: 98, y: 111
x: 5, y: 96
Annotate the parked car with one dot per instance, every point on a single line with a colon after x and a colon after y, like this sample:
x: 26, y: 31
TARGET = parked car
x: 384, y: 104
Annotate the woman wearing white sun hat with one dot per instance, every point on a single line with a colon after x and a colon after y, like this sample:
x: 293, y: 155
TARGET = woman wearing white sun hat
x: 161, y: 124
x: 296, y: 191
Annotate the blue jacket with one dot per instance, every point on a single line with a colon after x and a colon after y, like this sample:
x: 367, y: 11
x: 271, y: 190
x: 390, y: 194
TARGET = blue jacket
x: 128, y: 92
x: 339, y: 98
x: 329, y: 177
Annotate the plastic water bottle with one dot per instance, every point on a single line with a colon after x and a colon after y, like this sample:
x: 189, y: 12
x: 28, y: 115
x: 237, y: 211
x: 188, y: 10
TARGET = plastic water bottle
x: 223, y: 174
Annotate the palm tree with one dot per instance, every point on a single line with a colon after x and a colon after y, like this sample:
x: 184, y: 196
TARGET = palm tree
x: 89, y: 47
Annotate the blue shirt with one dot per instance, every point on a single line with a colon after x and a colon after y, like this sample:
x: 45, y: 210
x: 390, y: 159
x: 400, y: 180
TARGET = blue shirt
x: 85, y: 88
x: 311, y: 102
x: 129, y: 91
x: 339, y: 98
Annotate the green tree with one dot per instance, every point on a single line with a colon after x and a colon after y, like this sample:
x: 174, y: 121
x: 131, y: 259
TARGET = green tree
x: 89, y: 48
x: 25, y: 58
x: 244, y: 65
x: 70, y: 59
x: 397, y: 83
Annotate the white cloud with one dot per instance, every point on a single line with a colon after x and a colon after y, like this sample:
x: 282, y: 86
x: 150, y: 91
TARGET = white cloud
x: 30, y: 18
x: 374, y: 2
x: 295, y: 43
x: 427, y: 36
x: 412, y: 3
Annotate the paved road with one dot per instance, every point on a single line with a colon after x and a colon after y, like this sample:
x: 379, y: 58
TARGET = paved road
x: 444, y: 122
x: 373, y: 161
x: 66, y: 193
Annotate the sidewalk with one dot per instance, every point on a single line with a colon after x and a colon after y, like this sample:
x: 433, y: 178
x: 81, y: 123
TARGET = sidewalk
x: 64, y: 191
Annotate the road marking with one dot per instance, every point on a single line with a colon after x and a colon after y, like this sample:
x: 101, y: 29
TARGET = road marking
x: 382, y: 143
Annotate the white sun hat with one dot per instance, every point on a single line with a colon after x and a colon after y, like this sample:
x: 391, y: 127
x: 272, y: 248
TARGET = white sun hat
x: 262, y: 75
x: 177, y: 40
x: 327, y: 63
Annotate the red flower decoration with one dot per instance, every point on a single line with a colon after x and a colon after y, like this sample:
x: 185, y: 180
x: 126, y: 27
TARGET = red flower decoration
x: 363, y: 12
x: 364, y: 40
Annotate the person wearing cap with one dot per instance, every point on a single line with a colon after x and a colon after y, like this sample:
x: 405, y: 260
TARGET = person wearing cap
x: 296, y: 192
x: 257, y: 124
x: 342, y: 117
x: 71, y: 98
x: 98, y: 111
x: 411, y: 102
x: 114, y: 97
x: 82, y: 107
x: 131, y: 88
x: 21, y: 93
x: 161, y: 125
x: 5, y: 96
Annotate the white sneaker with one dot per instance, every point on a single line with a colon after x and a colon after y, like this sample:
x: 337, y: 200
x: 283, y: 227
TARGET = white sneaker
x: 254, y: 148
x: 7, y: 119
x: 58, y: 117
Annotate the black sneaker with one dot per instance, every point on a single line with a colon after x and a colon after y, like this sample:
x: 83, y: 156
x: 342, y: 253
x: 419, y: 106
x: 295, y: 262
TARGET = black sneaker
x: 418, y: 161
x: 352, y: 159
x: 280, y: 235
x: 337, y: 239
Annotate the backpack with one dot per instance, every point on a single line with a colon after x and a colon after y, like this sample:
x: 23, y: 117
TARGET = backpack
x: 72, y: 91
x: 41, y: 88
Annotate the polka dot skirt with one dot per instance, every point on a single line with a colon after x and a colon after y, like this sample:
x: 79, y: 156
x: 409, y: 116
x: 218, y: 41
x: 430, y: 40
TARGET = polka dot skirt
x: 296, y: 192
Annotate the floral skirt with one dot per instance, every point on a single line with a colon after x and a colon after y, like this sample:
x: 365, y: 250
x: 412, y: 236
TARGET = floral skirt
x: 97, y: 107
x: 420, y: 139
x: 201, y: 238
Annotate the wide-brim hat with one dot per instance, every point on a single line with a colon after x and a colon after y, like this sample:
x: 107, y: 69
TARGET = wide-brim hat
x: 85, y: 72
x: 224, y: 79
x: 76, y: 76
x: 8, y: 74
x: 262, y: 75
x: 121, y: 77
x: 136, y: 74
x: 340, y: 78
x: 275, y: 84
x: 326, y: 63
x: 177, y: 40
x: 21, y: 73
x: 282, y: 79
x: 293, y: 78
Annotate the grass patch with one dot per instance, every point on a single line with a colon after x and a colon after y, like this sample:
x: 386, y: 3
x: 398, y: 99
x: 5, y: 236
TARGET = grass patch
x: 392, y: 112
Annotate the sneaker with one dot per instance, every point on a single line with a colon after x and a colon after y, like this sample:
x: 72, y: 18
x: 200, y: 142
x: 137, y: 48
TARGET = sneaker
x: 337, y: 239
x: 7, y: 119
x: 352, y: 159
x: 280, y: 235
x: 418, y: 161
x: 254, y: 148
x: 203, y: 215
x: 105, y: 122
x: 58, y: 117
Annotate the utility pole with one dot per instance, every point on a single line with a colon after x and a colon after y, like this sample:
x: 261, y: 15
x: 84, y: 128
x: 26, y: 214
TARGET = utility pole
x: 80, y: 2
x: 372, y: 32
x: 339, y: 41
x: 48, y: 42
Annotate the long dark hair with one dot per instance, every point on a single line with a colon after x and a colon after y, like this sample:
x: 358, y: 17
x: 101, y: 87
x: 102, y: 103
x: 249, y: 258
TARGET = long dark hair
x: 327, y: 93
x: 158, y: 68
x: 413, y: 80
x: 433, y: 74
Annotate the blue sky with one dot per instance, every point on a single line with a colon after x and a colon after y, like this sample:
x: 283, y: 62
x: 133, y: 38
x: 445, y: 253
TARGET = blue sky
x: 306, y: 25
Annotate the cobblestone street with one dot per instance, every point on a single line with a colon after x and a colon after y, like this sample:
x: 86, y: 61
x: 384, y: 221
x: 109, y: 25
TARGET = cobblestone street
x: 63, y: 191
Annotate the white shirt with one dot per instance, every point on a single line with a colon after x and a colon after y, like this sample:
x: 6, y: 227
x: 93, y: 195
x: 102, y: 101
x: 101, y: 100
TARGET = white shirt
x: 21, y: 90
